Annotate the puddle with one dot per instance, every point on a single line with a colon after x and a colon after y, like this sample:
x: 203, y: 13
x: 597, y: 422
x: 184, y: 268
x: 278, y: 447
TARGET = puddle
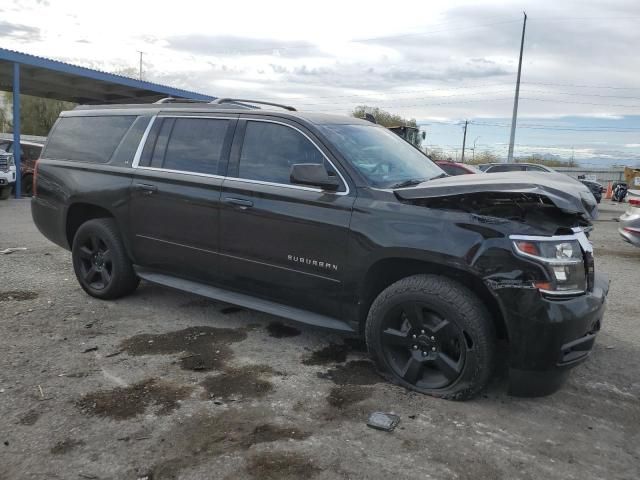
x: 245, y: 382
x: 17, y: 295
x: 332, y: 353
x: 29, y: 418
x: 355, y: 372
x: 65, y: 446
x: 127, y: 402
x: 281, y: 466
x: 280, y: 330
x: 204, y: 348
x: 346, y: 395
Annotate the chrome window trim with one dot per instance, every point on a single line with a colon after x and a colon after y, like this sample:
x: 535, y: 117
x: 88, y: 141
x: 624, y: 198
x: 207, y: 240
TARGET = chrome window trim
x: 288, y: 185
x: 136, y: 159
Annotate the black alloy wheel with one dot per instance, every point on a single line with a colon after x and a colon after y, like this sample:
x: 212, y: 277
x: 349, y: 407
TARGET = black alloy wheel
x: 422, y: 347
x: 431, y: 334
x: 96, y: 264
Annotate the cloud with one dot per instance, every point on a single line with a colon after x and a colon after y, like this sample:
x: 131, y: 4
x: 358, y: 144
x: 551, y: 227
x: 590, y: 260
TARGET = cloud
x: 221, y: 45
x: 19, y: 32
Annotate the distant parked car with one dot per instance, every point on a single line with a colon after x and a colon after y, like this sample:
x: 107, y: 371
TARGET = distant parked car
x: 29, y: 153
x: 455, y: 168
x: 514, y: 167
x: 595, y: 187
x: 630, y: 220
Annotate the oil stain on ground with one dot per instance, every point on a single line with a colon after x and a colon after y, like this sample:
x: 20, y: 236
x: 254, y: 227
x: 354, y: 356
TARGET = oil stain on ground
x: 65, y: 446
x: 355, y: 372
x: 29, y: 418
x: 244, y: 382
x: 17, y: 295
x: 281, y: 466
x: 127, y: 402
x: 204, y: 348
x: 280, y: 330
x: 201, y: 437
x: 344, y: 396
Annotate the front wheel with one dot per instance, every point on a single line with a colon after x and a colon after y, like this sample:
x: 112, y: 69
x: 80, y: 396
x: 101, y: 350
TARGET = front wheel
x: 431, y: 334
x: 100, y: 261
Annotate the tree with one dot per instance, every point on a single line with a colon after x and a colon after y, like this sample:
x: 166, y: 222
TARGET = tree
x: 386, y: 119
x: 37, y: 115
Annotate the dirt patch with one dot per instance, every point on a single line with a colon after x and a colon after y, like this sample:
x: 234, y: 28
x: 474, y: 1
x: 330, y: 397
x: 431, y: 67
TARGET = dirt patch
x: 244, y: 382
x: 344, y: 396
x: 29, y: 418
x: 65, y: 446
x: 127, y: 402
x: 332, y: 353
x: 280, y: 330
x: 202, y: 436
x: 17, y: 295
x: 356, y: 372
x: 600, y: 252
x: 204, y: 348
x: 281, y: 465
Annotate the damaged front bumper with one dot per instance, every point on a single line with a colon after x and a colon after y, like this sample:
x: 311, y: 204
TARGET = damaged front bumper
x: 548, y: 336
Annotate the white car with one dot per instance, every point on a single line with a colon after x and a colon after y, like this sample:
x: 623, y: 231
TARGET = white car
x: 7, y: 174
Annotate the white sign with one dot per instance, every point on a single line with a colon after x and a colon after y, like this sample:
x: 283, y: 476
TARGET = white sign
x: 591, y: 178
x: 636, y: 181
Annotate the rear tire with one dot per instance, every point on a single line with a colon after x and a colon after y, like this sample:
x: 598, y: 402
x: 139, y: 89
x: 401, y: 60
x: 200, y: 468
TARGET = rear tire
x: 27, y: 186
x: 431, y: 334
x: 100, y: 261
x: 5, y: 193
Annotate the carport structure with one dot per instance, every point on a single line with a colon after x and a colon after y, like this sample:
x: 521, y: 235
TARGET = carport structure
x: 44, y: 77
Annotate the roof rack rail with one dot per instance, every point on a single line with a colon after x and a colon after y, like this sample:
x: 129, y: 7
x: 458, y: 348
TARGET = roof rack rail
x: 179, y: 100
x: 220, y: 101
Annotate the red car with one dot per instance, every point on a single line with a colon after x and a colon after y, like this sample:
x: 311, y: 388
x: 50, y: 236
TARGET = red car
x: 455, y: 168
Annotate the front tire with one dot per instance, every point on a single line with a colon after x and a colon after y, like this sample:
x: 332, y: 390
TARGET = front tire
x: 5, y: 193
x: 100, y: 260
x: 431, y: 334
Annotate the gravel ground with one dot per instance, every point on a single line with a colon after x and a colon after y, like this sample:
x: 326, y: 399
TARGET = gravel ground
x: 168, y: 385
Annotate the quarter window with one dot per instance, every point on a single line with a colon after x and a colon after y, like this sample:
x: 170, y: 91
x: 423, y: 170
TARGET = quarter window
x: 270, y: 149
x: 87, y: 139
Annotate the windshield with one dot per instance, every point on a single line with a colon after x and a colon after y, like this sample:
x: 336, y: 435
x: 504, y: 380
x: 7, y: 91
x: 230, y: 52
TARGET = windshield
x: 381, y: 156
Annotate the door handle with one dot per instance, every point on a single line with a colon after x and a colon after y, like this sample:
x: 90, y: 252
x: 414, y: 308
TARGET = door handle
x: 240, y: 203
x: 146, y: 188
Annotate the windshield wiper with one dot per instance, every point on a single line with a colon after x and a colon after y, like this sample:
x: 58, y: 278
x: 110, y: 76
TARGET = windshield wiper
x: 442, y: 175
x: 409, y: 183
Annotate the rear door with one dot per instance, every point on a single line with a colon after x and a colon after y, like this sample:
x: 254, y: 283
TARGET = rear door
x: 280, y: 241
x: 175, y: 196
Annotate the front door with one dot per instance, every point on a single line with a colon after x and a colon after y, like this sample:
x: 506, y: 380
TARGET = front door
x: 175, y: 197
x: 280, y: 241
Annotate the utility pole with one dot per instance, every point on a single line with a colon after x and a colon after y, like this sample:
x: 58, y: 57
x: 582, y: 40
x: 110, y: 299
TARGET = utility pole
x: 514, y: 119
x: 140, y: 52
x: 464, y: 138
x: 474, y: 148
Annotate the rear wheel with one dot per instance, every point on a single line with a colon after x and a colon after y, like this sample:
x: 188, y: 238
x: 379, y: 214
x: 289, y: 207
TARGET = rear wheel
x: 432, y: 335
x: 5, y: 193
x: 27, y: 185
x: 100, y: 261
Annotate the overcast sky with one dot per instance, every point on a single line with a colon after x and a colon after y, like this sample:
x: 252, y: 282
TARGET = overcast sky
x: 437, y: 62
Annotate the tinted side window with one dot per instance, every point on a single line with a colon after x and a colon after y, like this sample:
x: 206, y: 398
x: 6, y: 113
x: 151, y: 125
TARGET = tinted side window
x: 269, y: 150
x: 87, y: 139
x: 452, y: 169
x: 195, y: 145
x: 505, y: 168
x: 534, y: 168
x: 129, y: 144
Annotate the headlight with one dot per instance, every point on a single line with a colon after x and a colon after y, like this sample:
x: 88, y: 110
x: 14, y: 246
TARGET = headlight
x: 562, y: 259
x: 12, y: 162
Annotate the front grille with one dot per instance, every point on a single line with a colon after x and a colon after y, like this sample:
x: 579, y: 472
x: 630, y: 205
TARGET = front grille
x: 4, y: 163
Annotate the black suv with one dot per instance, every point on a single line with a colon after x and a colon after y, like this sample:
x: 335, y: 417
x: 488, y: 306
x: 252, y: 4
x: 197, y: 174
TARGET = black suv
x: 334, y: 222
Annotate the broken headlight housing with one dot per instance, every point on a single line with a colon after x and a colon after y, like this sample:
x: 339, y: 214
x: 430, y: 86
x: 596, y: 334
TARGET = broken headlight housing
x: 563, y: 259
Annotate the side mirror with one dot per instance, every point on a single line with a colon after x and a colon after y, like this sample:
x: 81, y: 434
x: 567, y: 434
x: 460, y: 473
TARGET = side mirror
x: 313, y: 174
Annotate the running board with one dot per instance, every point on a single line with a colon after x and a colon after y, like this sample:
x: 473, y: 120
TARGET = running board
x: 240, y: 299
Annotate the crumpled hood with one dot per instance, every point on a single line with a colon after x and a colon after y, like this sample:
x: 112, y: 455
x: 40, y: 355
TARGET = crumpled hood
x: 566, y: 193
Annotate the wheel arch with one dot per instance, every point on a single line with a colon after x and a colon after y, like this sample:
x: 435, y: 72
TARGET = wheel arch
x: 79, y: 213
x: 387, y: 271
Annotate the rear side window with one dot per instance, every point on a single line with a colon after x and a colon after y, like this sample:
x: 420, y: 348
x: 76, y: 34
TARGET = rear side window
x: 269, y: 150
x: 505, y: 168
x: 187, y: 145
x: 127, y: 149
x: 87, y: 139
